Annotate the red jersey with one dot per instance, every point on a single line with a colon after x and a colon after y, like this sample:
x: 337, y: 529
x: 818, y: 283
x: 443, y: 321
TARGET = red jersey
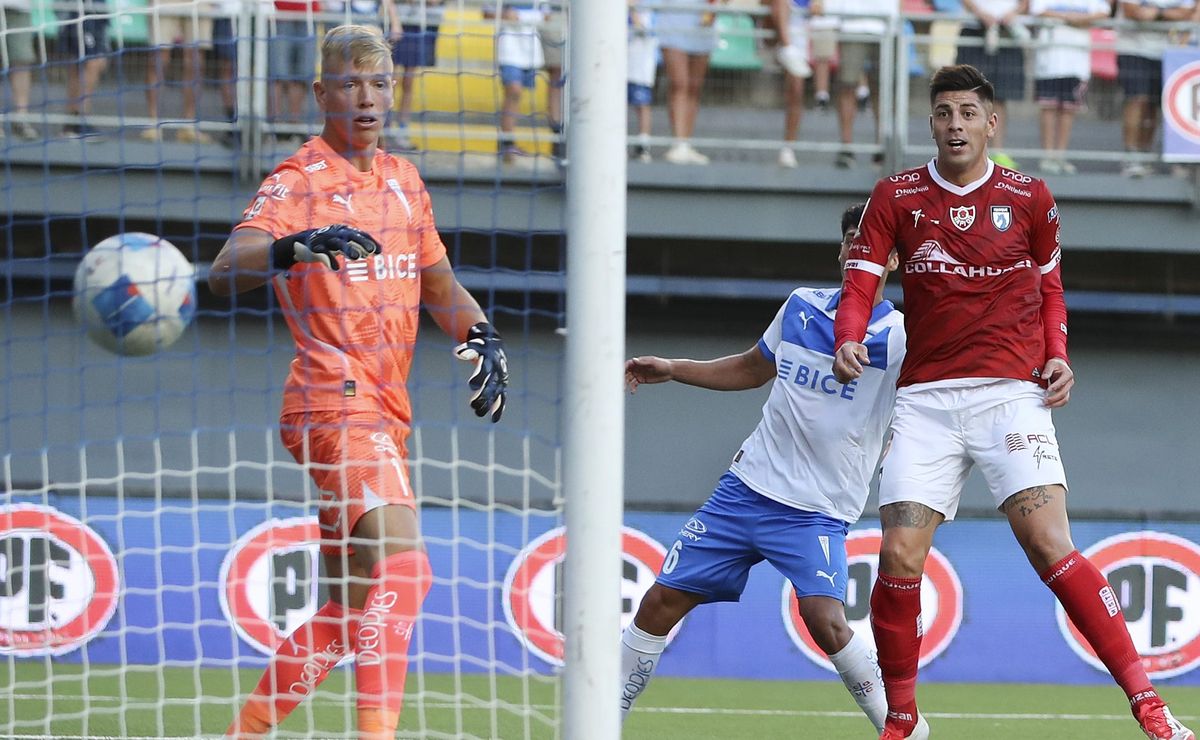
x: 354, y: 328
x: 980, y: 269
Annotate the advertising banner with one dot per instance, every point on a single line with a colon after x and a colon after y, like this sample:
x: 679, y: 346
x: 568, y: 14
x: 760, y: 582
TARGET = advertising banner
x: 1181, y: 104
x: 213, y: 584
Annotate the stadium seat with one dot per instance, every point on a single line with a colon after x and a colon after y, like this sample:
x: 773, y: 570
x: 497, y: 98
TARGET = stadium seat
x: 41, y: 16
x: 736, y: 45
x: 130, y: 28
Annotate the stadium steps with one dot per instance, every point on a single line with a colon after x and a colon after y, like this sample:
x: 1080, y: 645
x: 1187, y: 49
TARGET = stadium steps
x: 456, y: 138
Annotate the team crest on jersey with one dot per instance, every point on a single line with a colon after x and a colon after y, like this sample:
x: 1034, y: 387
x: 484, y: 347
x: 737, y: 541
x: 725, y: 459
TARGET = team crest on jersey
x: 962, y: 216
x: 1001, y: 217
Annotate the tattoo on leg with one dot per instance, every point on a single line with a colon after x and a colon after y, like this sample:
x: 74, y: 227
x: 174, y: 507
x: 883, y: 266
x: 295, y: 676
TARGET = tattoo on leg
x: 906, y: 514
x: 1029, y: 500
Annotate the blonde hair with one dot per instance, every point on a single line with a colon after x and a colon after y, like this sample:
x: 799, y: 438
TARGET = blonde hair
x: 355, y: 46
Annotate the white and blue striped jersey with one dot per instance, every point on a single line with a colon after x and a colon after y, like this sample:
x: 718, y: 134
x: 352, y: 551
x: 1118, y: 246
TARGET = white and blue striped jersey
x: 819, y: 441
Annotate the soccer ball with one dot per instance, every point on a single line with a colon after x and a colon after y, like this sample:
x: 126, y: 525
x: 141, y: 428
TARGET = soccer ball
x: 134, y: 293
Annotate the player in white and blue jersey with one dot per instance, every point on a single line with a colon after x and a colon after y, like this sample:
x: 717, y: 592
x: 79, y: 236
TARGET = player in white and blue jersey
x: 796, y: 485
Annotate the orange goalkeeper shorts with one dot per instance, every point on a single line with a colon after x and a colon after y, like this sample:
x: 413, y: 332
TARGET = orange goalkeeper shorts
x: 358, y: 461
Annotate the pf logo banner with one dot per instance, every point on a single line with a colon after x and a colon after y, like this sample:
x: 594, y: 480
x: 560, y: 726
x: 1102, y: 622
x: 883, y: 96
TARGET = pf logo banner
x: 268, y: 583
x: 941, y: 600
x: 58, y: 582
x: 1181, y: 105
x: 1156, y: 580
x: 534, y: 583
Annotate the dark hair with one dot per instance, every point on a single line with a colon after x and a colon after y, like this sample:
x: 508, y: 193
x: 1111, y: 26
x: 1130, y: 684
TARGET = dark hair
x: 851, y: 216
x: 964, y: 78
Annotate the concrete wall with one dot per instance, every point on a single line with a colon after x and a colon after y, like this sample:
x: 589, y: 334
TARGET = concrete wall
x: 207, y: 409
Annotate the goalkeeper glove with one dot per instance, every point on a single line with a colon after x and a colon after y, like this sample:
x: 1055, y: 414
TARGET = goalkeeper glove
x: 322, y: 245
x: 489, y: 382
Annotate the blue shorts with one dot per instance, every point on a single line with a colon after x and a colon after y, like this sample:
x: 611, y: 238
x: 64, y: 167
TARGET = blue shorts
x: 224, y: 41
x: 509, y: 74
x: 639, y: 94
x: 738, y: 528
x: 1139, y: 77
x: 417, y: 47
x: 82, y: 36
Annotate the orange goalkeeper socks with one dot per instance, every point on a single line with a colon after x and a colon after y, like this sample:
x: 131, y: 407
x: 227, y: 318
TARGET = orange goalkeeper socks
x: 381, y: 655
x: 300, y: 664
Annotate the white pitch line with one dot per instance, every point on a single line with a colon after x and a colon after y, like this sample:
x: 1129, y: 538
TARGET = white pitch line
x: 711, y: 711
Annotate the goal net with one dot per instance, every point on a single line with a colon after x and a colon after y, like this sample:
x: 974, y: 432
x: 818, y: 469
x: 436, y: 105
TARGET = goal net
x: 157, y: 542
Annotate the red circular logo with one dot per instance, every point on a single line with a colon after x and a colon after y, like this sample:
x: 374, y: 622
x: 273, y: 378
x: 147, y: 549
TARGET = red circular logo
x: 1179, y: 101
x: 60, y: 581
x: 533, y: 585
x: 1155, y: 580
x: 941, y: 600
x: 268, y: 581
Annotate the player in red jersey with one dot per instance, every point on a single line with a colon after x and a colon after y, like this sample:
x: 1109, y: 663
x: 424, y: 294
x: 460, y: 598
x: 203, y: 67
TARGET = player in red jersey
x: 986, y: 363
x: 346, y: 234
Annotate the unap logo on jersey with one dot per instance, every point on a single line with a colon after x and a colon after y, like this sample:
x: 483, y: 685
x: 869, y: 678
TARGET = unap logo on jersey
x: 1155, y: 578
x: 268, y: 581
x: 941, y: 600
x: 58, y: 581
x: 534, y: 584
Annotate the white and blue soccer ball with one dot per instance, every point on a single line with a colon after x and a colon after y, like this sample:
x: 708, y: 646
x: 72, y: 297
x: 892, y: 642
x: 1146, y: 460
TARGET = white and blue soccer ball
x: 134, y: 293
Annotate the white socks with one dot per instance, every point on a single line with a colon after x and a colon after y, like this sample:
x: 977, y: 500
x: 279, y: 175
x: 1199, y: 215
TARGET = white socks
x: 859, y: 670
x: 640, y: 652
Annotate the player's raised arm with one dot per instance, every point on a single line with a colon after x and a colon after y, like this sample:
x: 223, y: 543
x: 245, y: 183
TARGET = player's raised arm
x: 750, y: 369
x: 243, y: 264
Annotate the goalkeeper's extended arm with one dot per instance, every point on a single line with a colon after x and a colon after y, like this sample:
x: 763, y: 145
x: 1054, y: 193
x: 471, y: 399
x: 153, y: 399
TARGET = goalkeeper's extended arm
x: 322, y: 245
x: 489, y: 382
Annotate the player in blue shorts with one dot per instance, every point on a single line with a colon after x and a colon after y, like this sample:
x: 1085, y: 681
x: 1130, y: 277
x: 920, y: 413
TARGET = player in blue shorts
x: 793, y: 490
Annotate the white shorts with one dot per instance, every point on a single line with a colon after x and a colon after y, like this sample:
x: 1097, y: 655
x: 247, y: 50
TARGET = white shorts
x: 941, y: 429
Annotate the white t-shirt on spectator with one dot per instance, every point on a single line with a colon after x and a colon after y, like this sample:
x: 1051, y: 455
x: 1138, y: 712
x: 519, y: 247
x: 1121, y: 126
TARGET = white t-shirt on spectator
x: 996, y: 8
x: 1149, y: 44
x: 22, y: 5
x: 642, y: 51
x: 1064, y: 51
x: 518, y: 44
x: 848, y: 9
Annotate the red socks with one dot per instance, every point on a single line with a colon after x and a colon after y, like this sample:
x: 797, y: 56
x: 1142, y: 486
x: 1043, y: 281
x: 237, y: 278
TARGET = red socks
x: 1093, y: 607
x: 300, y: 664
x: 381, y: 657
x: 896, y: 622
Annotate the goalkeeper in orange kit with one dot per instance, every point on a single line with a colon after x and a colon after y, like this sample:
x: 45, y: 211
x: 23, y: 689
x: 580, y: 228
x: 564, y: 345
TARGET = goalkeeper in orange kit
x: 345, y: 233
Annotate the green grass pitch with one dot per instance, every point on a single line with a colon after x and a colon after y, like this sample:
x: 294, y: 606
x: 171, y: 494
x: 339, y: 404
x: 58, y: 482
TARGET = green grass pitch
x: 50, y: 700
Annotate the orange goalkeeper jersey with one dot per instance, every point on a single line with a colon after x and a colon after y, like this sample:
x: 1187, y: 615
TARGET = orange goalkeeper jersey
x: 355, y: 328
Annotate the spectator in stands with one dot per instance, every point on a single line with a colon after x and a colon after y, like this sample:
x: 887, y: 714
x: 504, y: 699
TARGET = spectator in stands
x: 519, y: 56
x: 225, y: 45
x: 1062, y: 66
x: 790, y: 18
x: 414, y: 35
x: 292, y: 58
x: 20, y: 58
x: 1003, y: 65
x: 822, y: 33
x: 1139, y: 68
x: 553, y: 35
x: 359, y: 12
x: 687, y: 39
x: 642, y: 54
x: 84, y: 39
x: 179, y: 23
x: 861, y: 28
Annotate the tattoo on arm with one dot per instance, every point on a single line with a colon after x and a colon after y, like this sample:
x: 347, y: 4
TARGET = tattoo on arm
x: 1028, y: 501
x: 907, y: 514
